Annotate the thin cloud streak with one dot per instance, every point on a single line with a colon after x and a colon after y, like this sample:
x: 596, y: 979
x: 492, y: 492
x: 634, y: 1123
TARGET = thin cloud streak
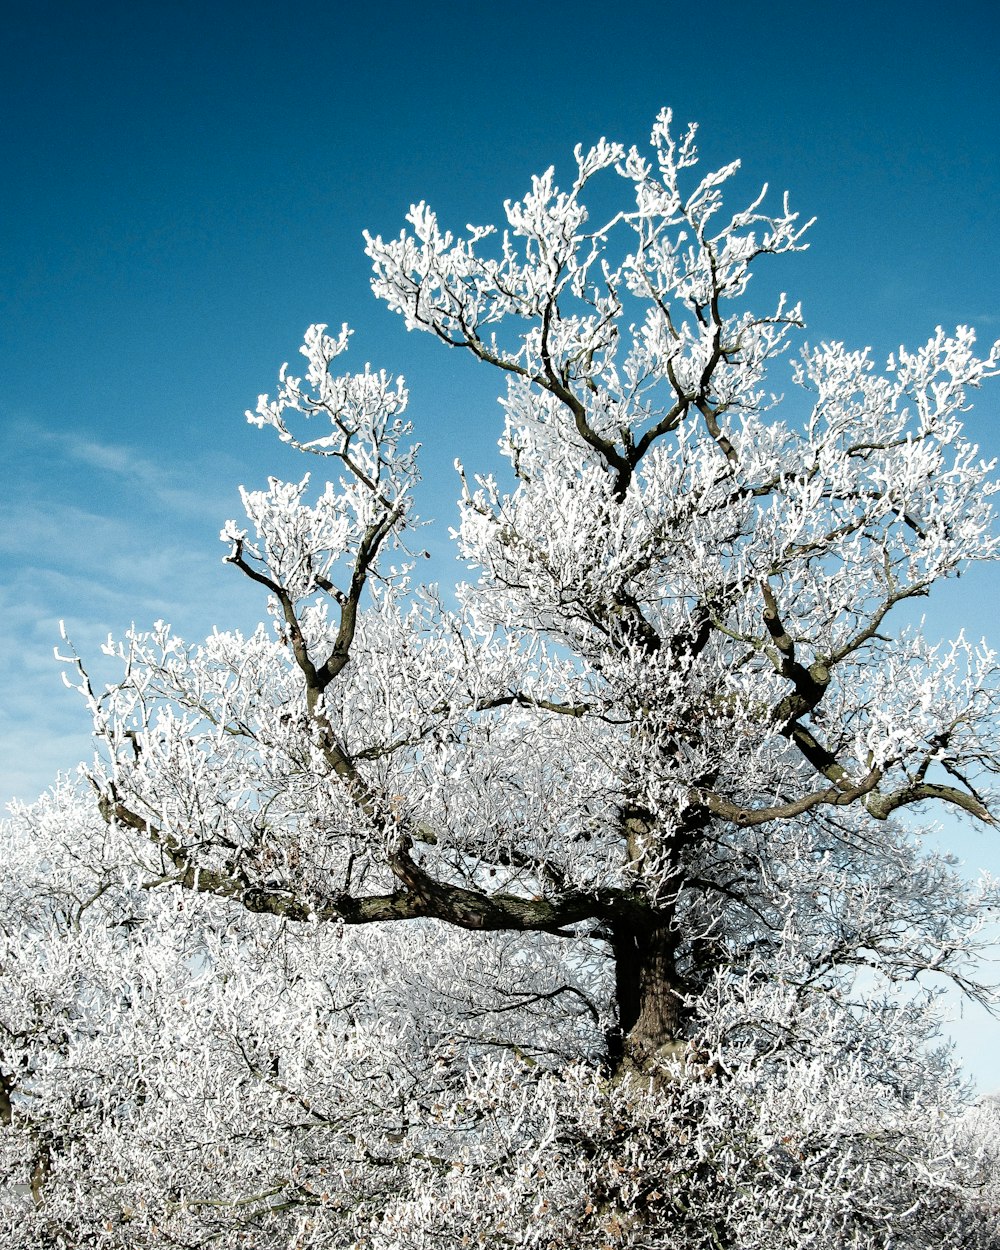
x: 130, y: 471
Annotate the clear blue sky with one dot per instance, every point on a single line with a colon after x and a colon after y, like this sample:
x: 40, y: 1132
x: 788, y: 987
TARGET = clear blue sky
x: 185, y: 188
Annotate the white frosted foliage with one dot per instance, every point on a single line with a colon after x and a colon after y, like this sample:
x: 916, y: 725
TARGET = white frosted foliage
x: 586, y: 907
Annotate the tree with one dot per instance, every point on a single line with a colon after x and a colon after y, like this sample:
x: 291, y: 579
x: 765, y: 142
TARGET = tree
x: 667, y: 970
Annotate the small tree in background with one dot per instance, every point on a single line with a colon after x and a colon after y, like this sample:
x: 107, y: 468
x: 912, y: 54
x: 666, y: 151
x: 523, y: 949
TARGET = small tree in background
x: 636, y: 795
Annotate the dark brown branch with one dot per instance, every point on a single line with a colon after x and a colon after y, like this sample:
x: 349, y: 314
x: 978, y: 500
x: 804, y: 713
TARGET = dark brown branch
x: 747, y: 817
x: 810, y: 683
x: 295, y: 638
x: 267, y: 900
x: 368, y: 550
x: 881, y: 806
x: 474, y: 909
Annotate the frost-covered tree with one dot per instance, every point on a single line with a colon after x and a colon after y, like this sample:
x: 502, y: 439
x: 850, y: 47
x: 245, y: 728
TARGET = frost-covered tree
x: 577, y: 909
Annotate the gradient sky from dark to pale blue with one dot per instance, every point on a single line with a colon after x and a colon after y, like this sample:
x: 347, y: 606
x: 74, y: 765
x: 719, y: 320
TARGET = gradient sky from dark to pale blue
x: 184, y: 190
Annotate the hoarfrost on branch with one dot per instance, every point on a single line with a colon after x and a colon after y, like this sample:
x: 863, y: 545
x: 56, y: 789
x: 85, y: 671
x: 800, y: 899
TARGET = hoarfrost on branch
x: 668, y: 970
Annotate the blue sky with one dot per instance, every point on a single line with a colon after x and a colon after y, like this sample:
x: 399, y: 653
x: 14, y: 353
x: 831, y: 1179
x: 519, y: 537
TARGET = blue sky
x: 185, y: 190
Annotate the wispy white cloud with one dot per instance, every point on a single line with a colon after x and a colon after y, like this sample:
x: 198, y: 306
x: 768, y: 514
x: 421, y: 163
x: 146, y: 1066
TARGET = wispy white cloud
x: 125, y: 470
x: 100, y: 533
x: 99, y: 574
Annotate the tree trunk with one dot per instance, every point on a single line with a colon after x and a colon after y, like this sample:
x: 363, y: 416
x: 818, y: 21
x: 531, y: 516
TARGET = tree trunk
x: 651, y: 1012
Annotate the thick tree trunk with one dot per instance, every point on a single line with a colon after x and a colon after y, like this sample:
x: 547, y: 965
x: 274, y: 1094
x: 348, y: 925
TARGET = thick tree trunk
x: 651, y: 1012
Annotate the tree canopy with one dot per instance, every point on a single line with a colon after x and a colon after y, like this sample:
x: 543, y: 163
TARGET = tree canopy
x: 575, y: 908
